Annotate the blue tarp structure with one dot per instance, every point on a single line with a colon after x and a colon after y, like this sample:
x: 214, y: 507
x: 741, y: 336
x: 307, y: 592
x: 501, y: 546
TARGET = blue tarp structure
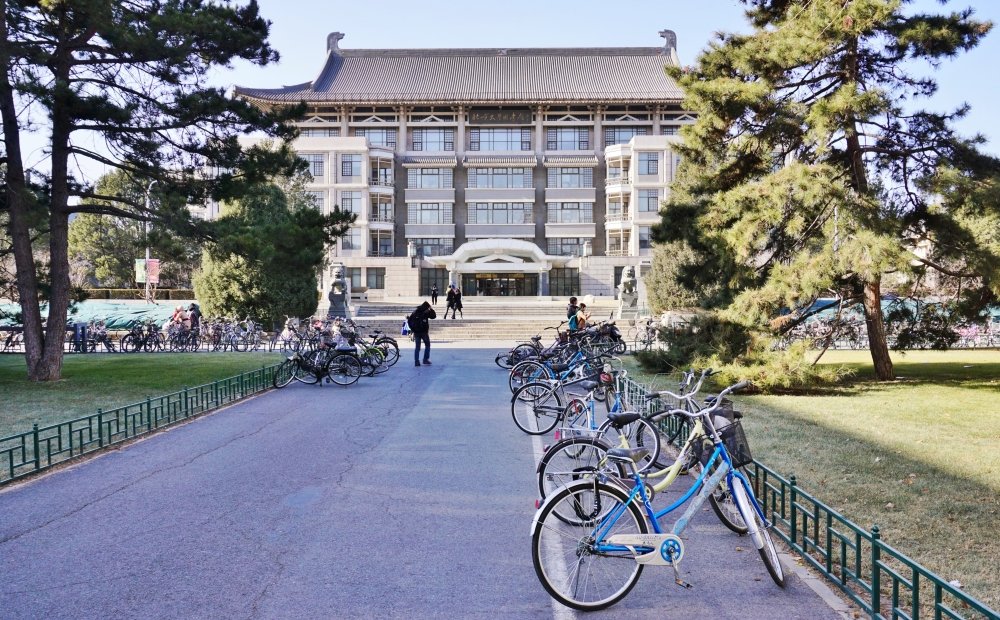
x: 118, y: 314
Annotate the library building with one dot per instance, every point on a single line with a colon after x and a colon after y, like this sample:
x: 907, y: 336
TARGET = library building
x: 508, y: 172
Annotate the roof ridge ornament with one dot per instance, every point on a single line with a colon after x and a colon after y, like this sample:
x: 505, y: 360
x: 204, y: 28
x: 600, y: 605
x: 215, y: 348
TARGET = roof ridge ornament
x: 670, y: 45
x: 333, y: 40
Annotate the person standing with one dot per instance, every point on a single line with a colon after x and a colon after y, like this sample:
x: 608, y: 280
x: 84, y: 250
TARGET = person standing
x: 571, y: 311
x: 457, y: 304
x: 434, y: 294
x: 419, y: 322
x: 582, y: 316
x: 194, y: 312
x: 449, y: 299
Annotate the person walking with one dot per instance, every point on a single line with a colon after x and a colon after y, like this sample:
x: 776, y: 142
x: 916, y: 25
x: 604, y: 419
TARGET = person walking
x: 457, y: 304
x: 449, y: 299
x: 419, y: 322
x: 434, y: 294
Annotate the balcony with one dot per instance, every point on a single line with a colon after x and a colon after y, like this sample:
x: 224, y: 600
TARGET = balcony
x: 381, y: 182
x: 618, y: 180
x: 616, y: 252
x: 617, y: 216
x: 381, y: 216
x: 381, y: 252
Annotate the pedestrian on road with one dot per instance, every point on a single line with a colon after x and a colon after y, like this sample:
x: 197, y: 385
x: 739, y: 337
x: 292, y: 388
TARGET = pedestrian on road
x: 449, y: 299
x: 419, y: 322
x: 434, y: 294
x: 457, y: 304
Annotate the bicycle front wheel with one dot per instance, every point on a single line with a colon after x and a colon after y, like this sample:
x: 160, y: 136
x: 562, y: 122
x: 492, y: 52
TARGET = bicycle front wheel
x: 536, y: 408
x: 344, y: 369
x: 575, y: 569
x: 758, y: 532
x: 284, y: 373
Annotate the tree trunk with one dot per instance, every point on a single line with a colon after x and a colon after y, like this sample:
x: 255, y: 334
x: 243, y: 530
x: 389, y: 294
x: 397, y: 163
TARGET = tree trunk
x: 877, y: 343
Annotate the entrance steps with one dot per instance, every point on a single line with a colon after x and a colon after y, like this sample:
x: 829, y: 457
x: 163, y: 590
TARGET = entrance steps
x: 478, y: 308
x: 473, y: 329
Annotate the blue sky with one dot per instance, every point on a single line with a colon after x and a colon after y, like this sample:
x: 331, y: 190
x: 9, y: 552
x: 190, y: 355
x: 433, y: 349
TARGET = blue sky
x: 300, y: 28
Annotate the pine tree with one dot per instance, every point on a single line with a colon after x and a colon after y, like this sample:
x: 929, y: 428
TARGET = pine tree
x: 812, y: 170
x: 133, y: 75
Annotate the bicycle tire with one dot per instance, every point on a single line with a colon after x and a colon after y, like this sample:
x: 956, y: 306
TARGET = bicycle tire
x: 284, y: 374
x: 540, y: 412
x: 390, y: 349
x: 522, y: 352
x: 305, y: 368
x: 640, y: 434
x: 563, y: 553
x: 570, y: 460
x: 503, y: 360
x: 526, y: 372
x: 758, y: 533
x: 344, y: 369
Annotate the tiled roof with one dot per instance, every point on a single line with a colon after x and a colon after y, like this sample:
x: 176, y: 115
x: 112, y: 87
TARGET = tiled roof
x: 473, y: 161
x: 580, y: 161
x: 429, y: 161
x: 570, y: 75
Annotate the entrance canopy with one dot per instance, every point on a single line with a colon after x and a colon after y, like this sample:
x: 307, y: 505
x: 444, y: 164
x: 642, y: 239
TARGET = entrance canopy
x: 498, y: 255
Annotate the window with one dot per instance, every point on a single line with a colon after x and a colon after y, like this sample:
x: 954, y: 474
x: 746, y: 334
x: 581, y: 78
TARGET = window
x: 500, y: 139
x: 670, y: 130
x: 618, y: 243
x: 645, y: 234
x: 429, y: 213
x: 617, y: 211
x: 649, y: 200
x: 566, y: 246
x: 500, y: 177
x: 376, y: 277
x: 351, y: 240
x: 433, y: 139
x: 430, y: 178
x: 378, y: 137
x: 382, y: 210
x: 350, y: 166
x: 354, y: 275
x: 320, y: 132
x: 500, y: 213
x: 431, y: 246
x: 430, y: 277
x: 621, y: 135
x: 564, y: 282
x: 381, y: 243
x: 571, y: 177
x: 571, y: 213
x: 350, y: 202
x: 649, y: 163
x: 316, y: 199
x: 567, y: 139
x: 315, y: 161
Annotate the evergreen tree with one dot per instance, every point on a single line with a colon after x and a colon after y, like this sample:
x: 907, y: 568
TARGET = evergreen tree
x: 274, y: 273
x: 812, y: 170
x: 133, y: 75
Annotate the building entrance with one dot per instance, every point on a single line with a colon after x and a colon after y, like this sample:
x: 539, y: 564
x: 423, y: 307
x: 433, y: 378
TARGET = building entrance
x: 500, y: 284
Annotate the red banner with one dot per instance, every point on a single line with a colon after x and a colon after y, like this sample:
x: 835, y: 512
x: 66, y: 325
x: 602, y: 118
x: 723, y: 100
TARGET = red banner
x: 153, y: 270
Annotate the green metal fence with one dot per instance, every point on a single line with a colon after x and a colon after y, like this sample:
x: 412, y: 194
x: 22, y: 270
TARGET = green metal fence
x: 43, y: 447
x: 881, y: 580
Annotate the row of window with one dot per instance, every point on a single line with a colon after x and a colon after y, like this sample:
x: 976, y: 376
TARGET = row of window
x: 493, y: 138
x: 375, y: 277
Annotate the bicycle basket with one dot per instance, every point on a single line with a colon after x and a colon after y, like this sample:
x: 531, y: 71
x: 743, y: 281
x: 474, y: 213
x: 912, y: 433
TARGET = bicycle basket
x: 736, y: 444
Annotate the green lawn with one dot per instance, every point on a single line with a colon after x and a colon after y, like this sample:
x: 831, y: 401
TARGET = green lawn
x: 919, y: 457
x: 108, y: 381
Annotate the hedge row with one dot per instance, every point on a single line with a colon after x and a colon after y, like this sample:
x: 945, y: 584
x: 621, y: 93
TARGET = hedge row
x: 138, y: 293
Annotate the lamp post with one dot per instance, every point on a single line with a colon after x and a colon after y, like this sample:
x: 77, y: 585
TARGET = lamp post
x: 145, y: 233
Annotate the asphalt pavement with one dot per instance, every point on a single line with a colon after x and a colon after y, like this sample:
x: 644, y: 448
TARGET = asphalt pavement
x: 408, y: 495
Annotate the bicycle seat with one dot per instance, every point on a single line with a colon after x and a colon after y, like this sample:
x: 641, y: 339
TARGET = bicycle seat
x: 619, y: 420
x: 650, y: 396
x: 588, y: 385
x: 536, y: 338
x: 627, y: 454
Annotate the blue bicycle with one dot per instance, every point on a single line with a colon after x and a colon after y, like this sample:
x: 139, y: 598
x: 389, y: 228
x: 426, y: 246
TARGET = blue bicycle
x: 591, y: 539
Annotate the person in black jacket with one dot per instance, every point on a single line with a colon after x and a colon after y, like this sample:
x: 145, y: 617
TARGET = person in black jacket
x: 434, y: 294
x: 419, y: 322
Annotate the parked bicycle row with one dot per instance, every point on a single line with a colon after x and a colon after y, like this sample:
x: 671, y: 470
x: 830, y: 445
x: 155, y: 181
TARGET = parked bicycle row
x: 339, y: 354
x: 613, y: 454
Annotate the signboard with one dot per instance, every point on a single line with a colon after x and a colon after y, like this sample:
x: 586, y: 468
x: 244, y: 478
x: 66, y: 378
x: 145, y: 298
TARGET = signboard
x: 500, y: 117
x: 153, y: 270
x: 140, y: 270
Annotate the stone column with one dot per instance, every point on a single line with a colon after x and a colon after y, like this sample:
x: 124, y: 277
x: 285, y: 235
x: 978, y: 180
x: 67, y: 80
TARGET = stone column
x: 543, y: 284
x: 656, y: 121
x: 540, y: 177
x: 401, y: 144
x: 460, y: 179
x: 600, y: 174
x: 345, y: 116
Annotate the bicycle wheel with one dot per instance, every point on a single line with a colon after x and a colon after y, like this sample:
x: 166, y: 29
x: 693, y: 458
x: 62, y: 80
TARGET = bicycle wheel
x: 284, y: 373
x: 538, y: 413
x: 574, y: 569
x: 758, y: 533
x: 344, y: 369
x: 570, y: 460
x: 575, y: 413
x: 526, y: 372
x: 639, y: 434
x: 389, y: 349
x: 503, y: 360
x: 522, y: 352
x: 305, y: 369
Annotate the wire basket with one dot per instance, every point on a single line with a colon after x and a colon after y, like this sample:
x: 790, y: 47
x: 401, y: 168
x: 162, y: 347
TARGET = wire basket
x: 736, y: 444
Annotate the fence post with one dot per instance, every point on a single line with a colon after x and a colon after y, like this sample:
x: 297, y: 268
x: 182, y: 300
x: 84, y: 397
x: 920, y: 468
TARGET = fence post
x: 876, y: 578
x: 100, y: 428
x: 794, y: 515
x: 149, y: 414
x: 38, y: 459
x: 187, y: 406
x: 215, y: 387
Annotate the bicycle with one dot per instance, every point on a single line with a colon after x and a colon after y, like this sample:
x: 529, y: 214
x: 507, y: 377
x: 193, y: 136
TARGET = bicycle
x: 606, y: 522
x: 340, y: 367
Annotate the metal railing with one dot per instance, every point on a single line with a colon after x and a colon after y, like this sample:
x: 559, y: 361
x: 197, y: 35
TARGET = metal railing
x: 617, y: 216
x: 375, y: 216
x: 619, y: 180
x: 881, y: 580
x: 381, y: 182
x: 381, y: 253
x: 44, y: 447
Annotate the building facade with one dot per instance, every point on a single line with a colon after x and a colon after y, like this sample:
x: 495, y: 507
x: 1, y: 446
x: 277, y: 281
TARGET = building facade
x: 530, y: 172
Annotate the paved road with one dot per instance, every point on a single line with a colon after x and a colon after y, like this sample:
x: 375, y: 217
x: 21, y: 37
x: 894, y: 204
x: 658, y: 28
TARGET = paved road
x: 408, y: 495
